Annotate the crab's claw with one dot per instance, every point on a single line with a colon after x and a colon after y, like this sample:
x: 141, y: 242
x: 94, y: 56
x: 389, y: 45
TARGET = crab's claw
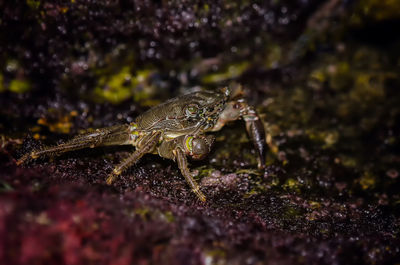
x: 237, y: 109
x: 255, y: 129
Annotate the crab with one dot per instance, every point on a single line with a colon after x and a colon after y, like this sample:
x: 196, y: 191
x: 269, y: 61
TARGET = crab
x: 175, y: 129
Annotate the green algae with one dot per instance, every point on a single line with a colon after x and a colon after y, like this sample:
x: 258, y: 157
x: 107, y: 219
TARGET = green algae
x: 19, y: 86
x: 379, y: 9
x: 274, y: 55
x: 5, y: 187
x: 124, y: 85
x: 230, y: 72
x: 154, y: 214
x: 33, y: 4
x: 367, y: 180
x: 16, y: 82
x: 215, y: 256
x: 2, y: 87
x: 348, y: 161
x: 291, y: 184
x: 328, y: 138
x: 144, y: 213
x: 291, y: 213
x: 203, y: 171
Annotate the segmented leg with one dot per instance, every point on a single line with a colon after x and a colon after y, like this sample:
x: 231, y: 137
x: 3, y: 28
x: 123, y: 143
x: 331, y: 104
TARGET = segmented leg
x: 116, y: 135
x: 183, y: 166
x: 147, y: 145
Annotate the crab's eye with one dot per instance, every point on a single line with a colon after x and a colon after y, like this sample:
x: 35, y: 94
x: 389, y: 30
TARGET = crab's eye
x: 192, y: 109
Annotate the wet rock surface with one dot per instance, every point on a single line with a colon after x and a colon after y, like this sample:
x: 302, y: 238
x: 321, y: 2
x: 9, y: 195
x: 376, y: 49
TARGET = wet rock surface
x: 322, y: 74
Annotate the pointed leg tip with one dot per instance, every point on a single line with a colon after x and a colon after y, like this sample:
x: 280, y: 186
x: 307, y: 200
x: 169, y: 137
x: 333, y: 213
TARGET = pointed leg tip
x: 203, y: 198
x: 110, y: 180
x: 23, y: 159
x: 112, y: 176
x: 200, y: 195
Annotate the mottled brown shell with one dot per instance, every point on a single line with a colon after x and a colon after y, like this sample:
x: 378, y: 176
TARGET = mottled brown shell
x: 187, y: 114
